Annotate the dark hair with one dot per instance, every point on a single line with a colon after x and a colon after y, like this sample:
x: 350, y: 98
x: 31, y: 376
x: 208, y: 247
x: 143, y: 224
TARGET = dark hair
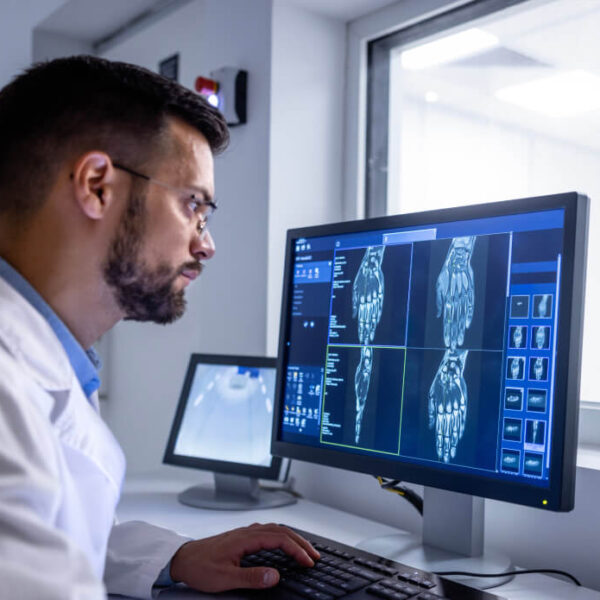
x: 81, y: 103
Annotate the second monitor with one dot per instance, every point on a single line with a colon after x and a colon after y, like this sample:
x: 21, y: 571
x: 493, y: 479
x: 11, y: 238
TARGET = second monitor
x: 223, y: 424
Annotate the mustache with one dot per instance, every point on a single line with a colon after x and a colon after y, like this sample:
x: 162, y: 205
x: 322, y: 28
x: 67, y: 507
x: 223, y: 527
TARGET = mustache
x: 198, y: 267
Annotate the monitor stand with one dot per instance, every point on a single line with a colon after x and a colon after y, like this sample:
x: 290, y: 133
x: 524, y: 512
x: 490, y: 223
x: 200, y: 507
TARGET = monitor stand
x: 234, y: 492
x: 452, y: 540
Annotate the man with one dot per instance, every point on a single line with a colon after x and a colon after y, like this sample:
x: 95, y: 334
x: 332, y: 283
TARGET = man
x: 106, y: 186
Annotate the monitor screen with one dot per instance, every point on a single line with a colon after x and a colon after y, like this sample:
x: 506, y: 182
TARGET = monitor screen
x: 224, y: 416
x: 439, y: 348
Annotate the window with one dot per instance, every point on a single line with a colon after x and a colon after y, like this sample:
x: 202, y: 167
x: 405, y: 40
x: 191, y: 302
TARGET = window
x: 491, y: 101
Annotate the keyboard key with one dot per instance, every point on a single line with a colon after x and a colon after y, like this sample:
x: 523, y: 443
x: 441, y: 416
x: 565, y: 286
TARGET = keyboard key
x: 328, y: 589
x: 375, y: 566
x: 295, y: 586
x: 365, y: 573
x: 430, y: 596
x: 315, y: 595
x: 383, y: 592
x: 351, y: 585
x: 405, y: 588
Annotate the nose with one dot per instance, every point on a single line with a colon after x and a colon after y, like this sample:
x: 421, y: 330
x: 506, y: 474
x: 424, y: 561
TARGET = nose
x: 203, y: 246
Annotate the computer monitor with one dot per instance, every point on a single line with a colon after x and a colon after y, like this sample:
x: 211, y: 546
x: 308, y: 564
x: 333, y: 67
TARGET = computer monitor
x: 223, y: 424
x: 440, y: 348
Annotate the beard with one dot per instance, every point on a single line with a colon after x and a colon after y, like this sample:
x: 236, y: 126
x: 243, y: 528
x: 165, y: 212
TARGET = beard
x: 142, y: 293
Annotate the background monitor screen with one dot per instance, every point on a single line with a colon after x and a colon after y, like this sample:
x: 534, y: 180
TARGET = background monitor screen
x: 224, y: 416
x: 439, y: 348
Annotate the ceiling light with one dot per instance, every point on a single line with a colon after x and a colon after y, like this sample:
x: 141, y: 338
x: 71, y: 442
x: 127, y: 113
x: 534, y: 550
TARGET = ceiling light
x: 431, y: 97
x: 448, y: 49
x: 562, y: 95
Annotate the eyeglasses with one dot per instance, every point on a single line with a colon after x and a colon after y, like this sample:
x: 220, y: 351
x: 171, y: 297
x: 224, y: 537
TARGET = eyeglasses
x: 201, y: 207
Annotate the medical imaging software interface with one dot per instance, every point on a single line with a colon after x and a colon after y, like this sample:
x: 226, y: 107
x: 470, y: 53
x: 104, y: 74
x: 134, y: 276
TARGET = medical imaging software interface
x: 230, y: 403
x: 434, y: 346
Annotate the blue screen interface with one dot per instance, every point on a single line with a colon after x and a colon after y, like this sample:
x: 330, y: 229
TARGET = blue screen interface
x: 431, y: 345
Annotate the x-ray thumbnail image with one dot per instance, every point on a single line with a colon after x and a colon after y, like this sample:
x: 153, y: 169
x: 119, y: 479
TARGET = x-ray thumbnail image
x: 513, y: 399
x: 542, y: 306
x: 515, y: 367
x: 519, y: 307
x: 538, y: 368
x: 517, y: 337
x: 533, y: 464
x: 513, y: 430
x: 540, y: 338
x: 536, y: 400
x: 535, y: 432
x: 510, y: 460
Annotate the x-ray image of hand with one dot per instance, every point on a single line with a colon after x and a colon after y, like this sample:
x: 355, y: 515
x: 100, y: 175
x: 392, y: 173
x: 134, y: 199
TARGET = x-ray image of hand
x: 367, y: 294
x: 455, y: 291
x: 448, y: 404
x: 362, y: 379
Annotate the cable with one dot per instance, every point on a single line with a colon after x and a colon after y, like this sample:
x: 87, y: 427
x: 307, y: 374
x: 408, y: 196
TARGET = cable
x: 283, y: 488
x: 393, y: 485
x: 287, y: 487
x: 521, y: 572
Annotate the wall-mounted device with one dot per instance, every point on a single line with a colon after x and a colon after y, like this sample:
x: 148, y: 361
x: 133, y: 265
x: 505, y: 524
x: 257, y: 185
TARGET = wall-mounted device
x: 227, y: 90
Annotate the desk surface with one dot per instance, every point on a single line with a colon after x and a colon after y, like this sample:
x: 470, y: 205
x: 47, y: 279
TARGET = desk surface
x: 160, y: 507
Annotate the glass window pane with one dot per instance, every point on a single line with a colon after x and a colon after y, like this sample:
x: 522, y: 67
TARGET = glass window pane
x: 503, y: 107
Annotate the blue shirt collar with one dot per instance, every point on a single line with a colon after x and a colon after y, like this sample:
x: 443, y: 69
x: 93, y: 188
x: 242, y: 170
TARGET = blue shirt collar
x: 85, y: 363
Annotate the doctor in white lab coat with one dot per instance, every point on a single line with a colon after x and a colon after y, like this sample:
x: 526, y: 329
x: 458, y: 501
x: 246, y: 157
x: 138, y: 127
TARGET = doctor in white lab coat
x: 106, y: 184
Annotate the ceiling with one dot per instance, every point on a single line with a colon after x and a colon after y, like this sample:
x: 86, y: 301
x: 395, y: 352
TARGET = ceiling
x: 345, y: 10
x: 536, y: 42
x: 91, y: 21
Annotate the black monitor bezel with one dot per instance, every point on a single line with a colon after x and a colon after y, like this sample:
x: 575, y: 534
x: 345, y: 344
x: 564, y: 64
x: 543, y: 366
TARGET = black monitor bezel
x: 559, y: 495
x: 217, y: 466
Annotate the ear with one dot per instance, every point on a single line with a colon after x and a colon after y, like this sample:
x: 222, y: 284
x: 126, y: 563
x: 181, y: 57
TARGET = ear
x: 93, y: 179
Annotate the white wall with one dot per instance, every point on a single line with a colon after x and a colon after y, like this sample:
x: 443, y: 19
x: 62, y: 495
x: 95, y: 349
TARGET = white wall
x: 48, y: 45
x: 227, y: 305
x: 306, y: 129
x: 19, y: 17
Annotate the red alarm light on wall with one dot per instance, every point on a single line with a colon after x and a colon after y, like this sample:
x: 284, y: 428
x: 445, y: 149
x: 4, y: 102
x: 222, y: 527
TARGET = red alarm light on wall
x: 227, y: 92
x: 208, y: 88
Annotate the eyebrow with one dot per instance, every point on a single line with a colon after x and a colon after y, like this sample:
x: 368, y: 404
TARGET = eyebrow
x: 202, y: 191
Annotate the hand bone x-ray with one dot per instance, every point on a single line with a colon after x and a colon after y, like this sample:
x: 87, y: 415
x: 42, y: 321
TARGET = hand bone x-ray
x: 367, y: 305
x: 455, y: 302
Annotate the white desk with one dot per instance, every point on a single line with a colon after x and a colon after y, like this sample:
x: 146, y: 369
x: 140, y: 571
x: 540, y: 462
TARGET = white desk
x: 155, y: 501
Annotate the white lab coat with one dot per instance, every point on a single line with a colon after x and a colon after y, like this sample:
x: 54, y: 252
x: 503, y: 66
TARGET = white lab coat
x: 61, y: 472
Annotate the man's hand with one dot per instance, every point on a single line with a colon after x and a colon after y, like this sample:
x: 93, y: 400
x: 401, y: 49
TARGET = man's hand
x: 213, y: 564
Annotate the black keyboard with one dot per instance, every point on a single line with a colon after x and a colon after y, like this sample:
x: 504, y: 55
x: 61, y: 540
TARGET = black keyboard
x: 346, y: 572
